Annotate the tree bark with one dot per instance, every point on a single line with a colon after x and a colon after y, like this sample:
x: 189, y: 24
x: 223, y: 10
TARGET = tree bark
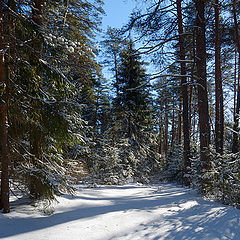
x: 160, y: 135
x: 4, y: 198
x: 219, y: 112
x: 166, y: 130
x: 173, y: 128
x: 235, y: 146
x: 184, y: 90
x: 190, y: 112
x: 203, y: 111
x: 192, y: 109
x: 235, y: 83
x: 179, y: 131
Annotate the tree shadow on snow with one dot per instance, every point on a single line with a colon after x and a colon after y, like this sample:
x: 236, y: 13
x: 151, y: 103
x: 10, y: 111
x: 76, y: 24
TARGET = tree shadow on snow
x: 197, y: 222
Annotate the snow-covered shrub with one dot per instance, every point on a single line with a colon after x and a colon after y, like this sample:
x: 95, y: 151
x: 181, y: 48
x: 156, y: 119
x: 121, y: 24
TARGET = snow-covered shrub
x: 45, y: 181
x: 124, y: 161
x: 174, y: 163
x: 225, y: 178
x: 195, y: 171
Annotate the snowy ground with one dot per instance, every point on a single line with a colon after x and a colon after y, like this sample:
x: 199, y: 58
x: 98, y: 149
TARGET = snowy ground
x: 125, y: 212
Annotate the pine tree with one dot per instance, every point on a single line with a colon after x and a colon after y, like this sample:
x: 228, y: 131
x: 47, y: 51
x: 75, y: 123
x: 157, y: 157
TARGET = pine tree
x: 202, y: 85
x: 235, y: 145
x: 219, y: 112
x: 184, y: 92
x: 113, y: 45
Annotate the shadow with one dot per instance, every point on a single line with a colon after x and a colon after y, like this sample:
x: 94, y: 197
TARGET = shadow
x: 197, y: 222
x: 204, y: 221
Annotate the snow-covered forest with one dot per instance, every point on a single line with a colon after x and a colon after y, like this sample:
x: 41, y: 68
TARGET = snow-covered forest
x: 167, y: 111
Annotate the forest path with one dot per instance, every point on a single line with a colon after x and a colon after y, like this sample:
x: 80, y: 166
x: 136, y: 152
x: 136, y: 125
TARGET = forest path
x: 129, y: 212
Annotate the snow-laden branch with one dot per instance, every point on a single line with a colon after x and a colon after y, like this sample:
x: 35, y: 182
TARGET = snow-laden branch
x: 232, y: 130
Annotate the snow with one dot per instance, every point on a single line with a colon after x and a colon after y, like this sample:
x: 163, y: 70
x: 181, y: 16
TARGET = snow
x: 127, y: 212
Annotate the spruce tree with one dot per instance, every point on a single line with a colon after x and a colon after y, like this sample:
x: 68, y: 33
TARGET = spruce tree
x: 51, y: 64
x: 133, y: 113
x: 133, y: 100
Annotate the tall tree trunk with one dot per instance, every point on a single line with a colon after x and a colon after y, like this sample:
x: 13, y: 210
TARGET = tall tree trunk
x: 235, y: 83
x: 190, y: 112
x: 173, y: 127
x: 160, y: 135
x: 179, y: 131
x: 184, y: 88
x: 194, y: 124
x: 235, y: 147
x: 4, y: 198
x: 219, y: 113
x: 235, y: 144
x: 203, y: 111
x: 166, y: 130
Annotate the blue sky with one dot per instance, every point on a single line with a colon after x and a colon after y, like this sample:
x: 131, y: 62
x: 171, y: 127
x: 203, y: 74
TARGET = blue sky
x: 117, y: 12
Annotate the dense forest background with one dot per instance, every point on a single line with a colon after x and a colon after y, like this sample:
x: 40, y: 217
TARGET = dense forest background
x: 169, y: 110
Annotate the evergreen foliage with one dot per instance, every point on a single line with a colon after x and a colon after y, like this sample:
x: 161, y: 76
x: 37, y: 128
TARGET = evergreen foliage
x: 63, y: 122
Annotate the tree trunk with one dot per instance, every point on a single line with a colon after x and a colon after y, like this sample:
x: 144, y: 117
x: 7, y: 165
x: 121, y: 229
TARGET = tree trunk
x: 4, y: 201
x: 179, y: 132
x: 235, y: 147
x: 219, y: 113
x: 173, y: 128
x: 203, y: 111
x: 190, y: 112
x: 4, y: 198
x: 160, y: 135
x: 166, y: 131
x: 235, y: 83
x: 184, y: 88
